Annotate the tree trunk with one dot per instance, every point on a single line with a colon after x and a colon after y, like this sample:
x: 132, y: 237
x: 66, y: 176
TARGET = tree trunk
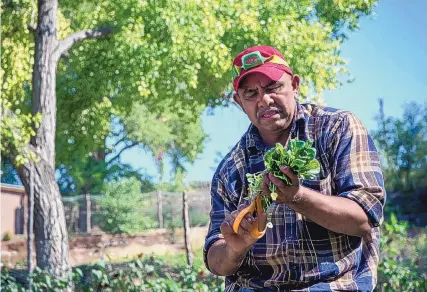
x: 186, y: 229
x: 50, y: 230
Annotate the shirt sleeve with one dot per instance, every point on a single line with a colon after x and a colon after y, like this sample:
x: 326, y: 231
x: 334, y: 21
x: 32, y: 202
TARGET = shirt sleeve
x: 220, y: 207
x: 358, y: 174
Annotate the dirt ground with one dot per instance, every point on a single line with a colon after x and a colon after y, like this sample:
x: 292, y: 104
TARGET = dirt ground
x: 85, y: 249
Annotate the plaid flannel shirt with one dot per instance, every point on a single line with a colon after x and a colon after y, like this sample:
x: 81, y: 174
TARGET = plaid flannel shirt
x: 297, y: 254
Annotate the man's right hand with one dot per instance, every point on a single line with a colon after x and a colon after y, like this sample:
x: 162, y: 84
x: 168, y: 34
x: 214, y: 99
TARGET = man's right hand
x: 239, y: 243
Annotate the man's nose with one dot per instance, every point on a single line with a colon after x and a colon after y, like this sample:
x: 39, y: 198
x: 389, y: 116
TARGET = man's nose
x: 265, y: 100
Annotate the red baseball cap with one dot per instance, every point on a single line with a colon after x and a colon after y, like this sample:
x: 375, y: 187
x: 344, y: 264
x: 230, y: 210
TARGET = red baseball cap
x: 262, y: 59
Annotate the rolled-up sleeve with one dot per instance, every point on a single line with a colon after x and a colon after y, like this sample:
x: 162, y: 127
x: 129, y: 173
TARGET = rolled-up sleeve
x: 220, y: 207
x: 358, y: 174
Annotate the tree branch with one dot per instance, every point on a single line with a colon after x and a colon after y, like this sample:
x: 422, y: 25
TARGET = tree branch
x: 118, y: 142
x: 66, y: 43
x: 121, y: 151
x: 32, y: 25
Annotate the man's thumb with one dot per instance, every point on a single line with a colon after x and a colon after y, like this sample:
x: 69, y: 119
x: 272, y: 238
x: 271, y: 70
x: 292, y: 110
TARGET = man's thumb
x: 262, y: 221
x: 226, y: 229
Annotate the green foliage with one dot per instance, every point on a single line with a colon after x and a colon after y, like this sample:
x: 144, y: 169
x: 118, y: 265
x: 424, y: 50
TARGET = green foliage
x: 173, y: 57
x: 8, y: 283
x: 299, y: 156
x: 8, y: 173
x: 403, y: 264
x: 403, y: 143
x: 7, y: 236
x: 198, y: 218
x: 150, y: 274
x: 176, y: 134
x: 123, y: 208
x: 42, y: 281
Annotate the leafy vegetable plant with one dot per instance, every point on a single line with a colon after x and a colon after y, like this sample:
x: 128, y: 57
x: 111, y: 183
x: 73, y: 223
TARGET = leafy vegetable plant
x: 299, y: 156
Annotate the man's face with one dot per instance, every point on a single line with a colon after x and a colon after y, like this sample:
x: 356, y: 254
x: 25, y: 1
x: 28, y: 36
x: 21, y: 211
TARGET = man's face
x: 270, y: 105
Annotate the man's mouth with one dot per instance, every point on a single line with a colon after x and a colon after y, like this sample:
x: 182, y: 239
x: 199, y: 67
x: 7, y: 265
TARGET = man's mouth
x: 269, y: 113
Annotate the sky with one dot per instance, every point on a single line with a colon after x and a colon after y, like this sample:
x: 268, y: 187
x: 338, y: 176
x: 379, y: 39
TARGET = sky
x: 388, y: 59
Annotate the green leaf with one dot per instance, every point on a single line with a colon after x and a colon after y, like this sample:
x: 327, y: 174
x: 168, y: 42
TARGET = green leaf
x: 313, y: 166
x: 98, y: 274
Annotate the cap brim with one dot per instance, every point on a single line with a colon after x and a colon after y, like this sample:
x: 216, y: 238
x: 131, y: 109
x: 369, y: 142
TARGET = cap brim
x: 272, y: 71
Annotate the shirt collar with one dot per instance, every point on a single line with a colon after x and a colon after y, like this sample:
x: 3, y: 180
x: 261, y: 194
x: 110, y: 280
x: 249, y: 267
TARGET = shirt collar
x: 253, y: 137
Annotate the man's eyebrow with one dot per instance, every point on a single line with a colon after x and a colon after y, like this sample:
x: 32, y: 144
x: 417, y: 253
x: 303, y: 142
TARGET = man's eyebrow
x: 246, y: 88
x: 272, y: 83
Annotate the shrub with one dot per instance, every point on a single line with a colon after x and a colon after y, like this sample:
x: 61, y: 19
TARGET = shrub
x: 122, y: 208
x: 7, y: 236
x: 402, y: 257
x: 151, y: 274
x: 198, y: 218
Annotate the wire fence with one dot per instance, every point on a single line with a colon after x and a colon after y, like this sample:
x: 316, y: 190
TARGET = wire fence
x: 84, y: 212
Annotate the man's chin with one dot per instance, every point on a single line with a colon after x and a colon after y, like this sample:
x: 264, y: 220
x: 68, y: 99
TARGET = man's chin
x: 272, y: 125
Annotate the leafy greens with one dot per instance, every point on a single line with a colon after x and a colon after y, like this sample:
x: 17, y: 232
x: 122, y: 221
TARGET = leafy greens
x: 299, y: 156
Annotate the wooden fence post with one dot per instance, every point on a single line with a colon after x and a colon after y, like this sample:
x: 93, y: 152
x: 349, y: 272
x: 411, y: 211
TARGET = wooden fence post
x: 160, y: 208
x: 186, y: 221
x: 88, y: 213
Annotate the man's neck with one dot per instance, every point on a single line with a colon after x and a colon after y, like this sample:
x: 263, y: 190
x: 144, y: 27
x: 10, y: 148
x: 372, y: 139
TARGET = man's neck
x: 273, y: 138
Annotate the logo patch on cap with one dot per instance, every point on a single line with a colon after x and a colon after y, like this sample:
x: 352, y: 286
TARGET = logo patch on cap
x: 252, y: 60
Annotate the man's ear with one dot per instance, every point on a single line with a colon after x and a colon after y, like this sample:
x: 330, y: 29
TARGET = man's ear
x: 295, y: 84
x: 237, y: 100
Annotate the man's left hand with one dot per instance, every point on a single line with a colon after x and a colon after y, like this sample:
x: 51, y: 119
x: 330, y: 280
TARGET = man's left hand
x: 286, y: 193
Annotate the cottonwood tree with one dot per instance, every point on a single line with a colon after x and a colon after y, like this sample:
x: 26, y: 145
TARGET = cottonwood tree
x: 50, y: 232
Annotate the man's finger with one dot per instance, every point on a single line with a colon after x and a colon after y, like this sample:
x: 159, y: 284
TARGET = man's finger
x: 286, y: 170
x: 249, y: 217
x: 246, y: 225
x: 234, y: 214
x: 276, y: 181
x: 226, y: 229
x: 264, y: 188
x: 266, y: 179
x: 242, y: 231
x: 262, y: 221
x: 241, y: 207
x: 264, y: 185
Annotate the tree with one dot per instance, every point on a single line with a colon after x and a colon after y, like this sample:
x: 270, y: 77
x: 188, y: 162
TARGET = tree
x: 170, y: 56
x: 403, y: 143
x: 101, y: 85
x: 39, y: 153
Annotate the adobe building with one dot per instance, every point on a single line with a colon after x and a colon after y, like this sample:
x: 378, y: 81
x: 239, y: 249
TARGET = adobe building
x: 12, y: 209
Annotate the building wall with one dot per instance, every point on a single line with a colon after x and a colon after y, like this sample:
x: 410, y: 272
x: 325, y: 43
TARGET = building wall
x: 12, y: 206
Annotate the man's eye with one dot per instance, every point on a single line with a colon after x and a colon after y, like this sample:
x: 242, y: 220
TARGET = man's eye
x: 249, y: 94
x: 273, y: 88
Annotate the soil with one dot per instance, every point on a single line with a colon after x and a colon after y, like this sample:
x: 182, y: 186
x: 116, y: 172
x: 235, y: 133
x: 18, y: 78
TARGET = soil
x: 89, y: 248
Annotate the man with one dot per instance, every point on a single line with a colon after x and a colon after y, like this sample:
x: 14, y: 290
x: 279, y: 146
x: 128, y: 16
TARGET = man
x: 325, y: 234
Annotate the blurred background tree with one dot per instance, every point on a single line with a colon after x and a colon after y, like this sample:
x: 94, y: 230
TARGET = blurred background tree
x: 403, y: 145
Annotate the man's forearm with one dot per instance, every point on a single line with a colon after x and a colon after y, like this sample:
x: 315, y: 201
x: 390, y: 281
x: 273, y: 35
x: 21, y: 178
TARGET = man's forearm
x: 222, y: 261
x: 337, y: 214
